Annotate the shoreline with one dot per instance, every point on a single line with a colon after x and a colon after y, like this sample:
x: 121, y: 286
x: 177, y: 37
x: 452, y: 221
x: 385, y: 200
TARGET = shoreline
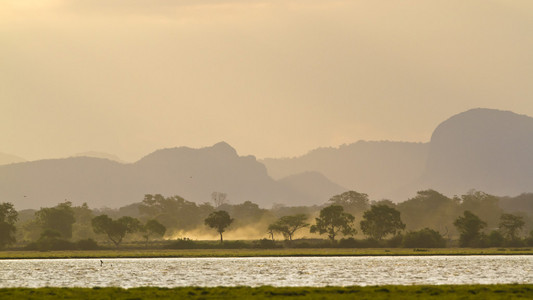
x: 286, y: 252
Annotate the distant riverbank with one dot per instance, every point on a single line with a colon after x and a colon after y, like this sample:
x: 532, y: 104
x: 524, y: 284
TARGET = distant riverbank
x: 146, y: 253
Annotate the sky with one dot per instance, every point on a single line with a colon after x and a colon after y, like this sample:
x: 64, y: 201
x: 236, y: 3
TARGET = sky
x: 273, y: 78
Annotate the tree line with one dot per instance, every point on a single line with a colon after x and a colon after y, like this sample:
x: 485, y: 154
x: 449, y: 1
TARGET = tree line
x: 429, y: 219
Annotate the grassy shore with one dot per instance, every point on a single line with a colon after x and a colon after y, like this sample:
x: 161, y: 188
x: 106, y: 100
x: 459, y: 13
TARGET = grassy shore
x: 146, y: 253
x: 372, y: 292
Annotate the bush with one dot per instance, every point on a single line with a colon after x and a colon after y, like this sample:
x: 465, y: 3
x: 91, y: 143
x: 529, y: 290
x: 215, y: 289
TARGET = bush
x: 88, y: 244
x: 395, y: 241
x: 266, y: 244
x: 424, y: 238
x: 349, y: 243
x: 51, y: 244
x: 233, y: 245
x: 184, y: 243
x: 495, y: 239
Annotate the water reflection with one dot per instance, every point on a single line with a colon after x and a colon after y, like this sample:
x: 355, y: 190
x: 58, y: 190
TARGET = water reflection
x: 257, y: 271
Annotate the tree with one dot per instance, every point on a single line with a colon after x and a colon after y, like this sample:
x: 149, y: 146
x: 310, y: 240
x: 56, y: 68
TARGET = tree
x: 510, y: 225
x: 219, y: 220
x: 174, y: 212
x: 483, y: 205
x: 351, y: 201
x: 115, y: 230
x: 333, y: 220
x: 81, y: 229
x: 152, y: 227
x: 469, y: 226
x: 219, y: 198
x: 8, y: 218
x: 430, y: 209
x: 380, y: 221
x: 288, y: 225
x: 59, y: 218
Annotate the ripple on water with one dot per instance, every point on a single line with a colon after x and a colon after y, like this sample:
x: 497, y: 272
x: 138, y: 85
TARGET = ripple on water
x: 276, y: 271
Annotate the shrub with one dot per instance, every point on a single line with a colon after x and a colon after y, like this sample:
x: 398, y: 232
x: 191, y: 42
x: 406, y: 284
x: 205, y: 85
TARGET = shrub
x: 266, y: 244
x: 495, y: 239
x: 88, y: 244
x: 184, y: 243
x: 395, y: 241
x: 424, y: 238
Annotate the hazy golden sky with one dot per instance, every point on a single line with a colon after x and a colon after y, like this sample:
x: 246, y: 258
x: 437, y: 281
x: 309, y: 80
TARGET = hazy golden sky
x: 271, y: 77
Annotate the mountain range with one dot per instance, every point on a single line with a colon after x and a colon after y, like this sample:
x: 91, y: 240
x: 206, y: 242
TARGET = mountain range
x: 483, y: 149
x: 190, y: 173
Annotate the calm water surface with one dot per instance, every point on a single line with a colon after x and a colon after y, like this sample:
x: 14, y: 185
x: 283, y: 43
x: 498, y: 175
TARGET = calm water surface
x: 275, y: 271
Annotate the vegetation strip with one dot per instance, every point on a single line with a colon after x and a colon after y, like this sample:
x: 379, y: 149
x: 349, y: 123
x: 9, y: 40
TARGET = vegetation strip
x: 259, y: 253
x: 370, y: 292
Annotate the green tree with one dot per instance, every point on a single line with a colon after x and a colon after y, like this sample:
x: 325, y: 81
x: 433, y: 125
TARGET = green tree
x: 153, y: 227
x: 333, y: 220
x: 288, y: 225
x: 380, y: 221
x: 469, y: 227
x: 59, y: 218
x: 115, y: 230
x: 510, y: 226
x: 352, y: 202
x: 8, y: 218
x: 219, y: 220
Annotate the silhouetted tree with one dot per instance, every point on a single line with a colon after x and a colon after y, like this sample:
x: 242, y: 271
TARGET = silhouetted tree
x: 59, y: 218
x: 219, y: 198
x: 219, y: 220
x: 510, y: 225
x: 81, y: 229
x: 288, y: 225
x: 333, y: 220
x: 352, y: 202
x: 152, y: 227
x: 380, y: 221
x: 430, y: 209
x: 174, y: 212
x: 469, y: 226
x: 483, y: 205
x: 115, y: 230
x: 8, y: 218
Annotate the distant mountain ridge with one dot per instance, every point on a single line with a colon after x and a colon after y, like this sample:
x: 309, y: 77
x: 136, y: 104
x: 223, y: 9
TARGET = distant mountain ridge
x: 377, y: 168
x: 96, y: 154
x: 191, y: 173
x: 484, y: 149
x: 10, y: 159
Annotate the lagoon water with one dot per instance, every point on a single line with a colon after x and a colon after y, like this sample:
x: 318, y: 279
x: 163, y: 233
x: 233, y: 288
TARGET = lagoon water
x: 275, y: 271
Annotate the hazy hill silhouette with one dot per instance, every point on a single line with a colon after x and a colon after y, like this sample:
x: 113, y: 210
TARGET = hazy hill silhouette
x: 191, y: 173
x: 10, y: 159
x: 484, y: 149
x: 375, y: 168
x: 313, y: 185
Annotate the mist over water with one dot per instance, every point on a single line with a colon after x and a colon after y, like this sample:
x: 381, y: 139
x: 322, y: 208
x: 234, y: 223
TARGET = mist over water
x: 258, y: 271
